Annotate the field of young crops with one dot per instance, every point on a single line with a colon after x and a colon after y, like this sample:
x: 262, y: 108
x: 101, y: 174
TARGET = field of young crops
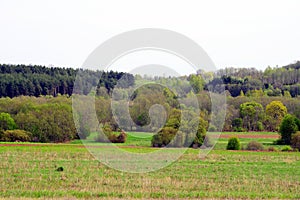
x: 70, y: 171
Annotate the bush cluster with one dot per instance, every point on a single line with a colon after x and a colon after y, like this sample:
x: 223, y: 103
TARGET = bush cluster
x: 109, y: 136
x: 191, y: 134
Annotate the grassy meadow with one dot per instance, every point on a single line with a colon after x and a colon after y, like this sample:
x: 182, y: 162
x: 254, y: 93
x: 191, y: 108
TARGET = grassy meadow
x: 30, y: 171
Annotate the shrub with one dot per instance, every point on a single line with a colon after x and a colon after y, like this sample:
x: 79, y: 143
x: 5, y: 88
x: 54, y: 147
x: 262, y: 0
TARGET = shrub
x: 272, y: 149
x: 106, y: 134
x: 15, y: 136
x: 295, y: 142
x: 286, y: 148
x: 48, y: 122
x: 288, y: 127
x: 212, y: 128
x: 297, y: 121
x: 192, y: 133
x: 239, y: 129
x: 254, y: 146
x: 118, y: 139
x: 233, y: 144
x: 109, y: 136
x: 163, y: 137
x: 156, y: 140
x: 200, y: 132
x: 237, y: 124
x: 260, y: 126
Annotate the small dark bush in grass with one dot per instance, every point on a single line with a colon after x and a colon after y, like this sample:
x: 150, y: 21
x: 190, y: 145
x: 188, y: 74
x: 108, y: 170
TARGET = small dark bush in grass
x: 233, y: 144
x: 254, y: 146
x: 15, y: 136
x: 59, y: 169
x: 295, y: 142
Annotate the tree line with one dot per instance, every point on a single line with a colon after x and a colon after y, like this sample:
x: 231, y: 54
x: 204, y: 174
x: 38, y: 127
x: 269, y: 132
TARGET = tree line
x: 278, y: 81
x: 35, y: 80
x: 47, y: 116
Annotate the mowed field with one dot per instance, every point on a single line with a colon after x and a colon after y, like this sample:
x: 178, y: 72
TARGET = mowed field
x: 29, y: 171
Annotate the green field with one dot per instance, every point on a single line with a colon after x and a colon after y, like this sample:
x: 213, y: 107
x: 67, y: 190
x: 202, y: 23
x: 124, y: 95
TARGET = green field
x: 30, y: 172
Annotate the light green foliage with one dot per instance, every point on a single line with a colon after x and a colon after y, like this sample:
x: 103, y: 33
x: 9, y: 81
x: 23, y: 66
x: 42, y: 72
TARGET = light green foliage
x: 287, y: 94
x: 286, y: 148
x: 7, y: 122
x: 251, y: 112
x: 242, y: 93
x: 197, y: 83
x: 275, y: 112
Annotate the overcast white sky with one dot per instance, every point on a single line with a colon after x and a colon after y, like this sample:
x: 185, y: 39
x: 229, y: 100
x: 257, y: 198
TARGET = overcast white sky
x: 236, y: 33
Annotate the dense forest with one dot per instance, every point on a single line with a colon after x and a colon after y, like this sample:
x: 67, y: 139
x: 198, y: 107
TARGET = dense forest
x: 37, y: 100
x: 33, y: 80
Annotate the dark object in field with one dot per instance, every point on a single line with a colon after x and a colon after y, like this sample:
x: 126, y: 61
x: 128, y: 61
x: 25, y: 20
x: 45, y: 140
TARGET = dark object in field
x: 59, y: 169
x: 118, y: 139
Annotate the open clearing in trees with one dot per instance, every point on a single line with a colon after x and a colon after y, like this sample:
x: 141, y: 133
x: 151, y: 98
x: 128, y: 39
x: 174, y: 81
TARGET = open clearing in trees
x: 30, y: 171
